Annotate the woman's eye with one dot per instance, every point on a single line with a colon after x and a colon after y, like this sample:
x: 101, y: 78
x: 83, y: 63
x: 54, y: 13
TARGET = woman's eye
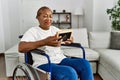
x: 51, y: 16
x: 45, y: 16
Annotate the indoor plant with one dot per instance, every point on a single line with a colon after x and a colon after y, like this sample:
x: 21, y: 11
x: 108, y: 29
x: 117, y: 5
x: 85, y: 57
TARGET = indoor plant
x: 114, y: 16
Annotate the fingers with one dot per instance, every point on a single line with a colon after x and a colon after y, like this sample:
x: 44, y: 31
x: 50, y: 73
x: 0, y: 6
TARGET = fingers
x: 69, y: 41
x: 57, y: 41
x: 53, y: 41
x: 57, y: 36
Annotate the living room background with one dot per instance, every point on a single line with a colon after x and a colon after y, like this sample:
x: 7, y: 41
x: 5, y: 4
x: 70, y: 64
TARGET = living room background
x: 15, y: 19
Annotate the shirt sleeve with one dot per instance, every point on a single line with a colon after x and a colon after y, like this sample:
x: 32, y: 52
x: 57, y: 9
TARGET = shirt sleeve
x: 28, y: 36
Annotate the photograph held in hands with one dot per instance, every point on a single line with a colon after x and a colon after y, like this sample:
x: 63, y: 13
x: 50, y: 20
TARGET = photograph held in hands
x: 64, y: 34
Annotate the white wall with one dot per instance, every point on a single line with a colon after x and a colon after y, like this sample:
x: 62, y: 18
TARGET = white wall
x: 101, y: 20
x: 14, y: 17
x: 2, y: 43
x: 30, y: 7
x: 5, y: 23
x: 96, y: 18
x: 10, y: 22
x: 88, y: 14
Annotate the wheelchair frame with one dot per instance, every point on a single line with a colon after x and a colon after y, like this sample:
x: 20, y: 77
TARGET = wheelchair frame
x: 32, y: 73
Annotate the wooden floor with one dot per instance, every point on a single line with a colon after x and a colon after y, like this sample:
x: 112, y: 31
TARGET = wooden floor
x: 96, y: 77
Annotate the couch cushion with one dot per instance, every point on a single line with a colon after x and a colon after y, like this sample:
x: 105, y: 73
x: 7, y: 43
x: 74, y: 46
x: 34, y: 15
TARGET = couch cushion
x: 80, y: 36
x: 110, y: 60
x: 91, y: 55
x: 99, y: 39
x: 115, y: 40
x: 112, y: 57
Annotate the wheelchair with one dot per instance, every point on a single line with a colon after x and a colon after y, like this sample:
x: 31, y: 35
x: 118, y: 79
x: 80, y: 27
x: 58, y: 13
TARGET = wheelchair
x: 25, y: 71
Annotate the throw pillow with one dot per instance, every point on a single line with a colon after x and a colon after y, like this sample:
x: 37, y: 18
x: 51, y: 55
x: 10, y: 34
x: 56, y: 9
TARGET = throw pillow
x: 99, y: 39
x: 80, y: 36
x: 115, y: 40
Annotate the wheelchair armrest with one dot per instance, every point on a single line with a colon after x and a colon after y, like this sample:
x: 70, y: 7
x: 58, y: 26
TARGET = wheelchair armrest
x: 38, y: 51
x: 72, y: 45
x: 41, y: 52
x: 76, y: 45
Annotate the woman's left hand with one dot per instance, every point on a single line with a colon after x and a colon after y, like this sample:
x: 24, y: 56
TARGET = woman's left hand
x: 69, y: 41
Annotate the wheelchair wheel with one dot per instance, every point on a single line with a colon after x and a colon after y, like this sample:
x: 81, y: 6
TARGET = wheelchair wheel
x: 25, y: 72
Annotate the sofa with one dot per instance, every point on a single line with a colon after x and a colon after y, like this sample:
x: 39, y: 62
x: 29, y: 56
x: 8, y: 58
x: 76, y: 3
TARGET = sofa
x: 103, y: 59
x: 107, y: 44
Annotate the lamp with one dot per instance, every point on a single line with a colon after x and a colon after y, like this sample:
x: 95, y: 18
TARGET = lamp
x: 78, y: 12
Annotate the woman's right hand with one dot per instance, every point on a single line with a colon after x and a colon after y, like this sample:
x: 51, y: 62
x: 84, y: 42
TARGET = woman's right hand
x: 53, y: 41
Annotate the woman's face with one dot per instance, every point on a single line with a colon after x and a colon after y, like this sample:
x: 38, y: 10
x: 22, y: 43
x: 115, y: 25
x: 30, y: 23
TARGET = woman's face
x: 45, y: 19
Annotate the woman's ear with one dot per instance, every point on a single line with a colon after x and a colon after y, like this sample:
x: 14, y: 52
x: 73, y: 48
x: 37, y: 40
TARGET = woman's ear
x: 36, y: 17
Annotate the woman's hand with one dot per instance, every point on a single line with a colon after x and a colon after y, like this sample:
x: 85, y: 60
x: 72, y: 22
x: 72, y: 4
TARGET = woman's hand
x: 68, y: 41
x: 53, y: 41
